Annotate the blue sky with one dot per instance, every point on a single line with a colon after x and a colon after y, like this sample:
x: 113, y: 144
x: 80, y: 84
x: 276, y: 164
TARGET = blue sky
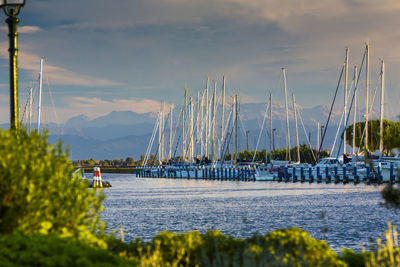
x: 102, y: 56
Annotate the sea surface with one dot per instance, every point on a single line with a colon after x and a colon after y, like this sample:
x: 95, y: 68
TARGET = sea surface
x: 343, y: 215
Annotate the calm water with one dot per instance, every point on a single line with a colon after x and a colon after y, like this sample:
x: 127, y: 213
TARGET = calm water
x: 351, y: 214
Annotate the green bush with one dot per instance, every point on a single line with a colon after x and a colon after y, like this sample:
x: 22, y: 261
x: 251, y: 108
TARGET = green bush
x: 289, y: 247
x: 40, y: 194
x: 51, y: 250
x: 355, y: 259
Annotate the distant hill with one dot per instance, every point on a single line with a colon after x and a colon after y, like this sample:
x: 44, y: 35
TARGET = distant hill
x: 122, y: 134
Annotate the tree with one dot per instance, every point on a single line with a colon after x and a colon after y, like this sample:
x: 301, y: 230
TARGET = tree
x: 39, y: 191
x: 391, y: 135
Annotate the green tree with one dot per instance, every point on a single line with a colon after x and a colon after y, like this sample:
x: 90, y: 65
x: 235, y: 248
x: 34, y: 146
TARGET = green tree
x: 391, y: 135
x: 40, y: 193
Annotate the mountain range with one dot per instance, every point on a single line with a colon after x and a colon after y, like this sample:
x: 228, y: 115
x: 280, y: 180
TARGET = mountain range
x: 122, y: 134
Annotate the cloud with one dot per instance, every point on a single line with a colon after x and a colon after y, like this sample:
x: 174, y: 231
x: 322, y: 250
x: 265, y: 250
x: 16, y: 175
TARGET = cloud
x: 23, y: 29
x: 94, y: 107
x: 55, y: 75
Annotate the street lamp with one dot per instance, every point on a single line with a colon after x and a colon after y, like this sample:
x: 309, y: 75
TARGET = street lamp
x: 12, y: 8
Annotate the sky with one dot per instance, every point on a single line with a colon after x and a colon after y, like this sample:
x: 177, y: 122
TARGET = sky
x: 101, y: 56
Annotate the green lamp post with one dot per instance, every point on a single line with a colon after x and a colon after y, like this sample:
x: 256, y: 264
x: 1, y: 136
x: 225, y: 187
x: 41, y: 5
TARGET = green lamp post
x: 11, y: 9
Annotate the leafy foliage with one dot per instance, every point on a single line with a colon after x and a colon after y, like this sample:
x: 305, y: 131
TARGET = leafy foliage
x: 289, y: 247
x: 391, y: 135
x: 51, y: 250
x: 40, y: 194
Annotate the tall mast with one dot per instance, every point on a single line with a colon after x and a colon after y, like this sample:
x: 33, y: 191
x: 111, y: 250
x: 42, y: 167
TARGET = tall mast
x: 163, y: 131
x: 355, y: 109
x: 170, y: 132
x: 345, y: 97
x: 198, y: 123
x: 30, y: 109
x: 366, y: 97
x: 382, y: 101
x: 160, y: 134
x: 207, y: 118
x: 317, y: 147
x: 184, y: 126
x: 214, y: 102
x: 202, y: 125
x: 191, y: 129
x: 287, y: 114
x: 223, y: 107
x: 40, y: 94
x: 297, y: 130
x: 236, y: 128
x: 270, y: 125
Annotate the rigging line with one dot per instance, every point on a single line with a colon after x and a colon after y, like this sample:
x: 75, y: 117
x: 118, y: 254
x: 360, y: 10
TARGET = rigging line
x: 351, y: 104
x: 337, y: 133
x: 305, y: 132
x: 146, y: 157
x: 262, y: 128
x: 51, y: 98
x: 341, y: 116
x: 176, y: 128
x: 222, y: 143
x: 228, y: 140
x: 25, y: 107
x: 370, y: 112
x: 330, y: 112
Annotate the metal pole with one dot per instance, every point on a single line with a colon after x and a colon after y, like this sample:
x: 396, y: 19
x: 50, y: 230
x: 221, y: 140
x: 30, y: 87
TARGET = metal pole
x: 287, y: 115
x: 382, y: 110
x: 270, y: 123
x: 12, y: 22
x: 355, y: 110
x: 345, y: 97
x: 40, y: 94
x: 297, y: 130
x: 247, y: 140
x: 30, y: 109
x: 366, y: 98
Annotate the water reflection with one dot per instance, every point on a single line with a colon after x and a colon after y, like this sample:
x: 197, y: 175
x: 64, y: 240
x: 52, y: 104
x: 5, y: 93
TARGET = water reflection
x: 351, y: 213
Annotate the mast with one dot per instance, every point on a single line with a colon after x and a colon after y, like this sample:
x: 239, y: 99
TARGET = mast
x: 160, y: 134
x: 355, y: 109
x: 40, y: 94
x: 236, y: 128
x: 270, y: 125
x: 345, y: 97
x: 223, y: 107
x: 297, y: 130
x: 191, y: 129
x: 30, y: 109
x: 202, y: 125
x: 214, y: 103
x: 287, y: 114
x: 163, y: 131
x: 170, y: 132
x: 382, y: 101
x: 317, y: 147
x: 184, y: 126
x: 207, y: 118
x: 198, y: 123
x: 366, y: 97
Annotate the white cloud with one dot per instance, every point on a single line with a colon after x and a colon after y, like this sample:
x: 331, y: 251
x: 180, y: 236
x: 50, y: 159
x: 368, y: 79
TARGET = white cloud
x: 24, y: 29
x: 56, y: 75
x: 94, y: 107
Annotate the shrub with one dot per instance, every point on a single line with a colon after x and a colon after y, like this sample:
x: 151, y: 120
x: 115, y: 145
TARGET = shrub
x: 51, y: 250
x: 388, y: 253
x: 289, y: 247
x: 40, y: 194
